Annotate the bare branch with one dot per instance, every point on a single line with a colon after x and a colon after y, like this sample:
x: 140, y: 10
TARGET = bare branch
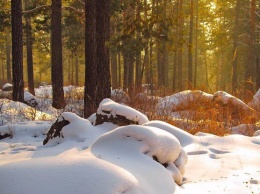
x: 83, y: 3
x: 35, y: 9
x: 48, y: 6
x: 73, y: 9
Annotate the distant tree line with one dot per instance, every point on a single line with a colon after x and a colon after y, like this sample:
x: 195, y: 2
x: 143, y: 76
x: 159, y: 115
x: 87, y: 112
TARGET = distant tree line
x: 169, y: 45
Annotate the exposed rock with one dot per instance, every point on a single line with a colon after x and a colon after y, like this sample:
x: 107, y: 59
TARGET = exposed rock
x: 2, y: 136
x: 55, y: 130
x: 117, y: 120
x: 119, y: 114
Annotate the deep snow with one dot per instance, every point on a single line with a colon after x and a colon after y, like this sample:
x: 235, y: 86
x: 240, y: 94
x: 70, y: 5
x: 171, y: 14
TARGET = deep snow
x: 153, y: 157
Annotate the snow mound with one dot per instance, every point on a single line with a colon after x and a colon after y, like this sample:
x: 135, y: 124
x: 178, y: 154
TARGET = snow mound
x: 185, y: 100
x: 110, y: 111
x: 184, y: 137
x: 66, y: 175
x: 25, y: 130
x: 71, y: 127
x: 146, y: 147
x: 13, y: 112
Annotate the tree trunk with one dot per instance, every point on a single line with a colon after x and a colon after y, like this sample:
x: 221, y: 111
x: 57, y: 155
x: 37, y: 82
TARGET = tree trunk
x: 29, y: 49
x: 8, y: 62
x: 196, y: 45
x: 113, y: 61
x: 119, y: 69
x: 56, y: 56
x: 235, y: 44
x: 102, y: 37
x: 77, y: 69
x: 190, y: 68
x: 17, y: 50
x: 180, y: 46
x: 251, y: 62
x: 90, y: 59
x: 176, y: 44
x: 138, y: 63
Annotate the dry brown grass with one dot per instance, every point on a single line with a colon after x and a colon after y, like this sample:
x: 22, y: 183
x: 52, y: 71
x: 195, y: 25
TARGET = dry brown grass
x: 200, y: 115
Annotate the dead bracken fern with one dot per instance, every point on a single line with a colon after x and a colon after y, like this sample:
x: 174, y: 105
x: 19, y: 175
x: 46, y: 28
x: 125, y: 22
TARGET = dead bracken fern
x: 196, y: 113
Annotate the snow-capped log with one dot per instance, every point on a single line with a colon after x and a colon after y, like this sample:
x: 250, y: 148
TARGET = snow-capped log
x: 185, y: 100
x: 110, y: 111
x: 234, y: 107
x: 150, y: 144
x: 55, y: 130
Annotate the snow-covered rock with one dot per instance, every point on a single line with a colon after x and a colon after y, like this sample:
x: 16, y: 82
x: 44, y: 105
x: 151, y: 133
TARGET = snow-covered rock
x: 71, y: 127
x: 255, y: 103
x: 185, y: 100
x: 118, y: 95
x: 234, y: 107
x: 110, y: 111
x: 243, y: 129
x: 8, y: 87
x: 257, y: 133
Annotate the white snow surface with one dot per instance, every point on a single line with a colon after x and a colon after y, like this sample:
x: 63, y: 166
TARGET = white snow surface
x: 114, y: 109
x: 110, y: 159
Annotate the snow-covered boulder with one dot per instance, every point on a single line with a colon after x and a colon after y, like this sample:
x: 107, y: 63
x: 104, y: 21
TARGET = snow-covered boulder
x: 30, y: 99
x: 152, y: 151
x: 185, y: 100
x: 7, y: 87
x: 234, y: 107
x: 255, y: 103
x: 110, y: 111
x: 243, y: 129
x: 257, y: 133
x: 118, y: 95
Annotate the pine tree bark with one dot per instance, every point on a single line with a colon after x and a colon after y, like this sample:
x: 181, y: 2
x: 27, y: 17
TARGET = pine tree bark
x: 56, y: 56
x: 180, y: 46
x: 190, y: 66
x: 196, y: 45
x: 29, y: 49
x: 102, y: 37
x: 17, y: 50
x: 90, y: 59
x: 97, y: 32
x: 8, y: 62
x: 235, y: 45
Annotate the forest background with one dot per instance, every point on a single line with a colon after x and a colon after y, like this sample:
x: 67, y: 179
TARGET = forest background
x: 170, y: 45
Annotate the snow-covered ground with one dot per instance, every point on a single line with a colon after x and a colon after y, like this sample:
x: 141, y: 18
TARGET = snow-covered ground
x: 152, y: 157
